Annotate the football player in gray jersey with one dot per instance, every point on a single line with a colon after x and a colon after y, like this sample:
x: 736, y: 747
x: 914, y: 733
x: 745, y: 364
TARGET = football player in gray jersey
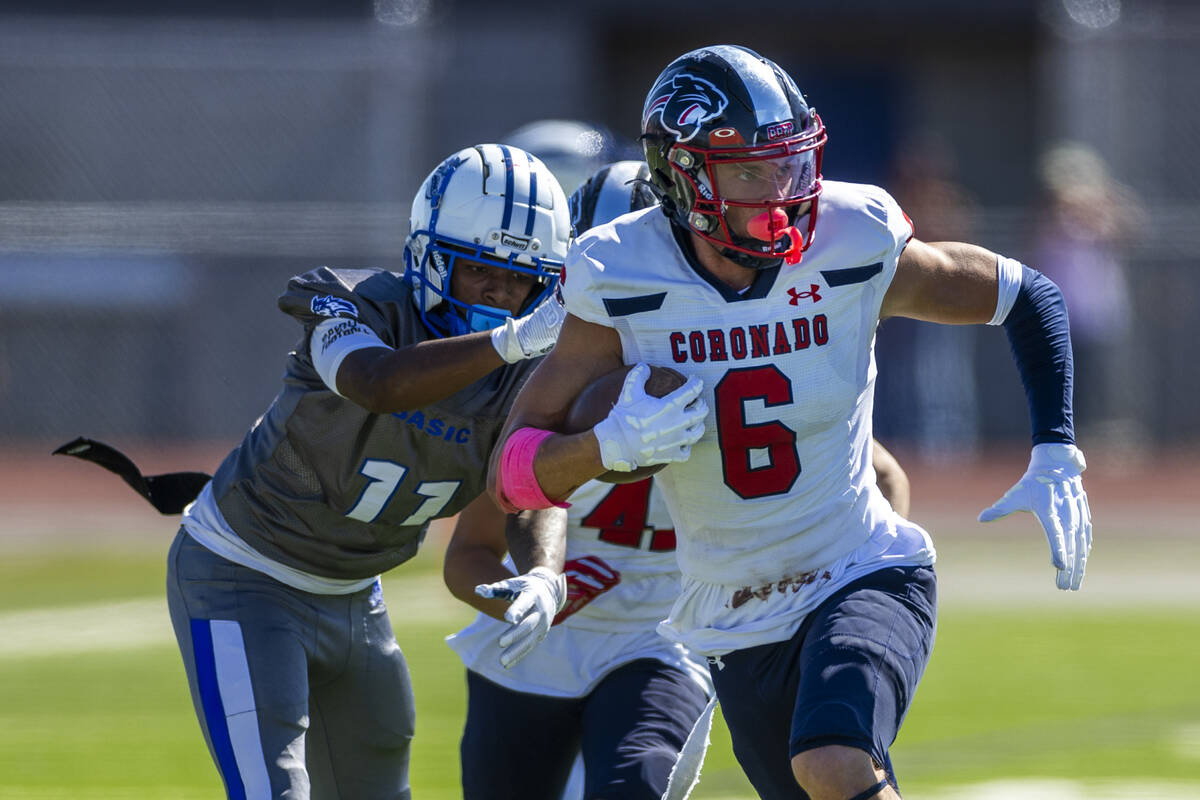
x: 391, y: 404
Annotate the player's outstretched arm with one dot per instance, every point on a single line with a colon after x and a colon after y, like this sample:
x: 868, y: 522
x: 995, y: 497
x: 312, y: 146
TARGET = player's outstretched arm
x: 891, y: 477
x: 537, y: 542
x: 562, y: 463
x: 354, y: 362
x: 384, y: 380
x: 475, y: 555
x: 948, y: 282
x: 962, y: 283
x: 535, y: 466
x: 475, y: 573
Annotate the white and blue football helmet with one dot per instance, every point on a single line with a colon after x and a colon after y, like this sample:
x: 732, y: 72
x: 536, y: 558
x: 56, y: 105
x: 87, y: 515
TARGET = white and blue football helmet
x: 490, y: 203
x: 613, y: 190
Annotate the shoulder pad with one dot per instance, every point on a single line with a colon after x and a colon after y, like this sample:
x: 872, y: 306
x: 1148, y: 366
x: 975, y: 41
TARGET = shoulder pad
x: 361, y: 294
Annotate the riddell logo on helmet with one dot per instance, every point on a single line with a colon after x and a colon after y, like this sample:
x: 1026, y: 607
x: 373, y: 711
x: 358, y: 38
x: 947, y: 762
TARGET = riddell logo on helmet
x: 780, y: 130
x: 515, y: 242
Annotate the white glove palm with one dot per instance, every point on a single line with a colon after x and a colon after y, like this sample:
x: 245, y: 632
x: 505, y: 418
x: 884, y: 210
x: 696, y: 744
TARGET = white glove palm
x: 642, y: 430
x: 531, y: 335
x: 536, y: 597
x: 1053, y: 491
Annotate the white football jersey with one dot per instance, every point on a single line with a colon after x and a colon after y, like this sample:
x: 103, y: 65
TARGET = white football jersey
x: 777, y: 505
x: 627, y: 527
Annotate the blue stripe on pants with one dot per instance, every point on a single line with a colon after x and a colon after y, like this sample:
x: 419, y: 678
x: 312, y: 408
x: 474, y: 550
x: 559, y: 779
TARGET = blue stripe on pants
x: 214, y: 709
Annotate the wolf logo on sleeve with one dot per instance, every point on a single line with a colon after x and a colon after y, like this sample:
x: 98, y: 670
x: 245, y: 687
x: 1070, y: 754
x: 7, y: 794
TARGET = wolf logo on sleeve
x: 329, y: 306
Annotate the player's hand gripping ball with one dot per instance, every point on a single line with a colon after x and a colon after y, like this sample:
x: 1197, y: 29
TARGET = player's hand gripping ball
x: 598, y: 399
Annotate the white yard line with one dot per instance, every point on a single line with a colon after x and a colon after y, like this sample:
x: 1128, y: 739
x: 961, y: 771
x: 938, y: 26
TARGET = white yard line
x: 107, y: 793
x: 1046, y: 789
x: 1055, y: 789
x: 144, y: 622
x: 122, y: 625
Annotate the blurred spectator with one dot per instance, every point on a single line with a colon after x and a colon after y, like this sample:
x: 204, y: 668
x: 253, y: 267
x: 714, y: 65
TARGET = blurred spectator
x: 926, y: 394
x: 1085, y: 219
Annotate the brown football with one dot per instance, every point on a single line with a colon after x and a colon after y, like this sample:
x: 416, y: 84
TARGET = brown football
x: 599, y: 398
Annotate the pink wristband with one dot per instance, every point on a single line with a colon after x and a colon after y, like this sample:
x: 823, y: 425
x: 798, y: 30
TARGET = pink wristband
x: 519, y: 488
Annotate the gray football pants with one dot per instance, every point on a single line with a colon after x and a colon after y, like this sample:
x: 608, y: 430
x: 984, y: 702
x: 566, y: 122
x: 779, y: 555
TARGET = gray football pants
x: 299, y: 695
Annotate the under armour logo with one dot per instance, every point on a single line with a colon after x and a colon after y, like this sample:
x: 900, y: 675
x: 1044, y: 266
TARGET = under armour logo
x: 796, y: 296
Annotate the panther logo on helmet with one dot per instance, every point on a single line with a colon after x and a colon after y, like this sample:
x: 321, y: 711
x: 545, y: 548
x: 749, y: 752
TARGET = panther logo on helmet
x: 686, y: 104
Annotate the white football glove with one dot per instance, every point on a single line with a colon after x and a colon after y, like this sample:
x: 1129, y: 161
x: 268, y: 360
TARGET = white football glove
x: 1052, y: 489
x: 642, y: 430
x: 531, y: 335
x: 536, y: 597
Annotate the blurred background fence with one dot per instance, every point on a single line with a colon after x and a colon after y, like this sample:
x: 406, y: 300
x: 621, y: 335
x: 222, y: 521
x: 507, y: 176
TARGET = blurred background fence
x: 165, y: 167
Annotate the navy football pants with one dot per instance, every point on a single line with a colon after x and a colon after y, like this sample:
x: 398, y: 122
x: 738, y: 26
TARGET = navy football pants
x: 630, y: 729
x: 846, y: 677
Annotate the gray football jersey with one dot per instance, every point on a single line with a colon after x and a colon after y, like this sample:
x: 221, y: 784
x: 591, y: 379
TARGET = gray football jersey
x: 323, y: 485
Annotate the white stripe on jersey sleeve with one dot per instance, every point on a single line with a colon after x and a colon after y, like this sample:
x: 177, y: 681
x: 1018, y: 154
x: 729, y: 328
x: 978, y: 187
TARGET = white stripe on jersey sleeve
x: 333, y: 340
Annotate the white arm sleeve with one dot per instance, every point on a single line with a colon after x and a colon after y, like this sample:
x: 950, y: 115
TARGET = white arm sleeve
x: 1008, y: 275
x: 333, y: 340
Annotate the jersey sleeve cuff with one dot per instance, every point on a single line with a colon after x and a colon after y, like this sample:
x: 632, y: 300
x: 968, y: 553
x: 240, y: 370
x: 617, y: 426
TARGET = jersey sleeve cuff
x: 333, y: 340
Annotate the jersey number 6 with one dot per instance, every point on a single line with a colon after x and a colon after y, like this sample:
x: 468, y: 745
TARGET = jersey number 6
x: 758, y: 459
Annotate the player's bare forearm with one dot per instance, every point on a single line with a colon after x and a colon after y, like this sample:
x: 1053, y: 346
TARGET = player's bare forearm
x: 537, y: 539
x: 891, y: 477
x: 566, y: 462
x: 949, y: 282
x: 584, y: 352
x: 475, y: 555
x: 385, y: 381
x: 471, y: 566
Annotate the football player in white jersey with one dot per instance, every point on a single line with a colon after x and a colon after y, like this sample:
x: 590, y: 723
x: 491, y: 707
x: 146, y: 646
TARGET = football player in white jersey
x: 814, y: 601
x: 603, y: 682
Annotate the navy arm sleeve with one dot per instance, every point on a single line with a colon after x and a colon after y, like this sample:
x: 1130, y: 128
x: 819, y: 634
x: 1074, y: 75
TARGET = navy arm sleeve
x: 1040, y: 338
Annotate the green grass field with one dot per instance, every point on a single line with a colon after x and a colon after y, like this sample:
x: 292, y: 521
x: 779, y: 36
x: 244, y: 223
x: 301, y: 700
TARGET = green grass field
x: 1032, y: 699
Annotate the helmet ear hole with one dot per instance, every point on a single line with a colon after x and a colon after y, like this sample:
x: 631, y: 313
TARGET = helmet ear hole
x: 699, y: 221
x: 683, y: 158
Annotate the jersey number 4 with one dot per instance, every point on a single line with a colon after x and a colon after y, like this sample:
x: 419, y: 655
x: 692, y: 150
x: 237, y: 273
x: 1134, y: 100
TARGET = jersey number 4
x: 758, y: 459
x: 385, y: 477
x: 621, y: 518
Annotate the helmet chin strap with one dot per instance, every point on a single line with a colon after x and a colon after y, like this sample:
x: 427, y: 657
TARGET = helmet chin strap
x: 772, y: 226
